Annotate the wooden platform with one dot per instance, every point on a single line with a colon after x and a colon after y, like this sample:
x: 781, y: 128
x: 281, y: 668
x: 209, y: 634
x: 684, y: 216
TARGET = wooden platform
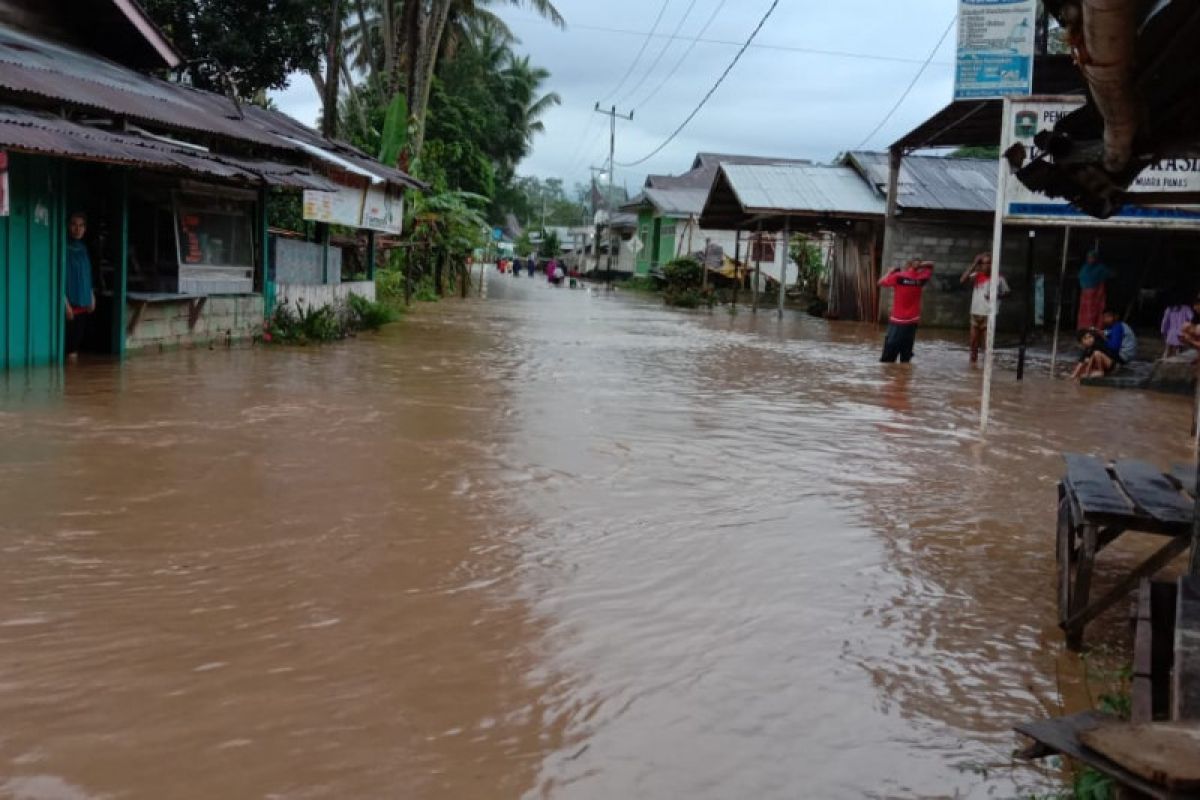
x: 1097, y: 503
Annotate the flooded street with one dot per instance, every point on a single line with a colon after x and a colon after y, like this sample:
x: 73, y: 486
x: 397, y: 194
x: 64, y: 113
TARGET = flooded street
x: 547, y: 544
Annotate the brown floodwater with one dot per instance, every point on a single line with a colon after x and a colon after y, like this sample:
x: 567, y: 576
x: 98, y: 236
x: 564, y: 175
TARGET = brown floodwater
x: 544, y: 544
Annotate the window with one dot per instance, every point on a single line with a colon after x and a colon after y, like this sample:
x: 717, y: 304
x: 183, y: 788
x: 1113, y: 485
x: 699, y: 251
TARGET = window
x: 215, y: 232
x: 762, y: 248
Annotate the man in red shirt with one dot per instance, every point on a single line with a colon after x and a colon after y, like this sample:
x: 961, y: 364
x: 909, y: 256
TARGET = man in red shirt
x: 908, y: 284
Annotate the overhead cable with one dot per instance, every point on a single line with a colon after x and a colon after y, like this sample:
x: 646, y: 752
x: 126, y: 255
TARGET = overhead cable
x: 683, y: 57
x: 658, y: 59
x: 786, y: 48
x: 911, y: 86
x: 641, y: 51
x: 711, y: 92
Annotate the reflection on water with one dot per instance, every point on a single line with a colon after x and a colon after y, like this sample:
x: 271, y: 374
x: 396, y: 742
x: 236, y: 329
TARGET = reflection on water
x: 550, y: 544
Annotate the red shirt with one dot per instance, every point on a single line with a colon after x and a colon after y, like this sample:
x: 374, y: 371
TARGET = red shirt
x: 906, y: 302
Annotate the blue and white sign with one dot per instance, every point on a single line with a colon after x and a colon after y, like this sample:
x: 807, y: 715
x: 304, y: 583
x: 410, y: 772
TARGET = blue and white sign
x: 995, y: 48
x: 1024, y: 117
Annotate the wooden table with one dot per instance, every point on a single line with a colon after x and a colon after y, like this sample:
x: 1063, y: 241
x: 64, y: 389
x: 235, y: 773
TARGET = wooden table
x: 1098, y: 502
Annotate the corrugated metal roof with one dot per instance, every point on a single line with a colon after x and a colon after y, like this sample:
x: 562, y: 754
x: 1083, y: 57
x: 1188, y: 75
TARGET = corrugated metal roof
x: 802, y: 189
x: 35, y: 66
x: 677, y: 202
x: 933, y: 183
x: 36, y: 132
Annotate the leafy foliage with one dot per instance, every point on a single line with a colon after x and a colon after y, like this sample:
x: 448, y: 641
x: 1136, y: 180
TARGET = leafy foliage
x: 256, y: 44
x: 305, y: 324
x: 810, y: 266
x: 549, y: 246
x: 684, y: 277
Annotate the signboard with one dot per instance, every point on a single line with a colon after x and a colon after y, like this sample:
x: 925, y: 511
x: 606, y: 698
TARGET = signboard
x: 995, y: 48
x: 343, y: 207
x: 1024, y: 117
x: 375, y: 207
x: 383, y: 209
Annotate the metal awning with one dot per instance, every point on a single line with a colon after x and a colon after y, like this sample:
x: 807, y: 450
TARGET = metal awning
x: 36, y: 132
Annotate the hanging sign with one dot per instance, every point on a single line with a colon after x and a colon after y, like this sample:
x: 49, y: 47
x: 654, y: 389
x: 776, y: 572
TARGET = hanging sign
x: 376, y: 207
x: 995, y: 48
x: 1025, y: 117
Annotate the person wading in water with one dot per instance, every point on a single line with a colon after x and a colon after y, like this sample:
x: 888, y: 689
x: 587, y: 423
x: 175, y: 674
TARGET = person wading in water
x: 908, y: 284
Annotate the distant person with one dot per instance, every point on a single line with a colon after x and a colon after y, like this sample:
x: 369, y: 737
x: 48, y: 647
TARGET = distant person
x: 531, y: 266
x: 80, y: 298
x: 1175, y: 318
x: 1119, y: 337
x: 979, y: 275
x: 1093, y: 297
x: 908, y: 283
x: 1097, y: 360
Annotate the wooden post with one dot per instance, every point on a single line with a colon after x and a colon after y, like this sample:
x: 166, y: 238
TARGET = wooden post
x: 737, y: 265
x: 757, y: 250
x: 370, y: 255
x: 895, y: 158
x: 784, y: 269
x: 1062, y: 278
x: 121, y: 282
x: 704, y: 271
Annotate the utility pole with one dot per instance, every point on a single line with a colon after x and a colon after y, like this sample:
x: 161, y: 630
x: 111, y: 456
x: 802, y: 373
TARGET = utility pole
x: 596, y: 222
x: 613, y: 116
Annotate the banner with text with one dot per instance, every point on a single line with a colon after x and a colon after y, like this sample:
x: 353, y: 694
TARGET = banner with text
x: 1024, y: 117
x: 378, y: 207
x: 995, y: 48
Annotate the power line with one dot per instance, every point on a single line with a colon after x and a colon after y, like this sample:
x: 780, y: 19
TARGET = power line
x: 683, y: 57
x: 911, y: 86
x: 667, y: 46
x: 728, y: 42
x: 711, y: 91
x: 641, y: 52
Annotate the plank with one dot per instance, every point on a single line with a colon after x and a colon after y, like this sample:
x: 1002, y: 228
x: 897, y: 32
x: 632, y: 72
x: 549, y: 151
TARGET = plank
x: 1164, y: 753
x: 1086, y: 612
x: 1142, y: 689
x: 1185, y: 676
x: 1162, y: 613
x: 1061, y: 735
x: 1088, y: 479
x: 1153, y: 493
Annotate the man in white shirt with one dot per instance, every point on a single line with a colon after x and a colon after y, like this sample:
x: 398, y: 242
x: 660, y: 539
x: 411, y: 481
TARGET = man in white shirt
x: 979, y: 275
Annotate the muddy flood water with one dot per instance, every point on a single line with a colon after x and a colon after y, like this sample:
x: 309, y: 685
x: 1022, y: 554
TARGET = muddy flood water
x: 545, y: 544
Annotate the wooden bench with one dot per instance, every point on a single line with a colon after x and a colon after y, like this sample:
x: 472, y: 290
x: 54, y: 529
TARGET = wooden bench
x: 1156, y: 753
x: 1097, y: 503
x: 139, y: 301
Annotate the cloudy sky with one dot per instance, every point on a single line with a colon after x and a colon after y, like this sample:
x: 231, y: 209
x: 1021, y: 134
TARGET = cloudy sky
x: 820, y: 76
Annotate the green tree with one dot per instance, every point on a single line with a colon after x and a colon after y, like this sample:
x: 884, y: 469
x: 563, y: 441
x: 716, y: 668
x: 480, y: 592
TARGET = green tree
x: 549, y: 246
x: 254, y: 45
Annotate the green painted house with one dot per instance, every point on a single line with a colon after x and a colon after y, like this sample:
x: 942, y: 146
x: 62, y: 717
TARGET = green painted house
x: 173, y: 182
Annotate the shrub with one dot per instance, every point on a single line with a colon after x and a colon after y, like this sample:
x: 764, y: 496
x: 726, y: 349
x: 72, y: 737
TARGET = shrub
x: 366, y: 315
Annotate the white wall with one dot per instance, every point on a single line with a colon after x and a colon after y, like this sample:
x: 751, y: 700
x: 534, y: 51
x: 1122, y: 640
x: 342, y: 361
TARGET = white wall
x: 317, y: 295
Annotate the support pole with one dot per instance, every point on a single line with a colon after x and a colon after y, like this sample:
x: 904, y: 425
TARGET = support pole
x: 895, y: 157
x: 985, y: 406
x: 121, y: 284
x: 1028, y: 304
x: 785, y: 244
x: 324, y: 234
x: 737, y: 266
x: 1062, y: 279
x: 268, y: 276
x: 704, y: 262
x: 370, y: 255
x: 757, y: 250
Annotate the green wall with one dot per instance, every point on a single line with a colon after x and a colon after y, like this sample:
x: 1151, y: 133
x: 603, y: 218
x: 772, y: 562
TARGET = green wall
x: 32, y: 240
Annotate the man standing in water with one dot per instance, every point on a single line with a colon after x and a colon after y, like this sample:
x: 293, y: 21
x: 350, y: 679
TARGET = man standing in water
x: 908, y: 284
x: 979, y: 275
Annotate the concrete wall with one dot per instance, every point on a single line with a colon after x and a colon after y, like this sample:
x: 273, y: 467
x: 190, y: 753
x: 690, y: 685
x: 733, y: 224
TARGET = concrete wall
x: 295, y: 262
x: 223, y: 319
x: 316, y: 296
x: 952, y: 246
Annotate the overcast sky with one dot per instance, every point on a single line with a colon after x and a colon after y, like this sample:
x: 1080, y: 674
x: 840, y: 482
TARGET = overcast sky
x: 821, y: 76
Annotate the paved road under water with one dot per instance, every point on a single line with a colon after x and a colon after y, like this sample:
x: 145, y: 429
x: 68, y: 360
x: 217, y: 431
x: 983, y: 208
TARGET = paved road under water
x: 548, y: 544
